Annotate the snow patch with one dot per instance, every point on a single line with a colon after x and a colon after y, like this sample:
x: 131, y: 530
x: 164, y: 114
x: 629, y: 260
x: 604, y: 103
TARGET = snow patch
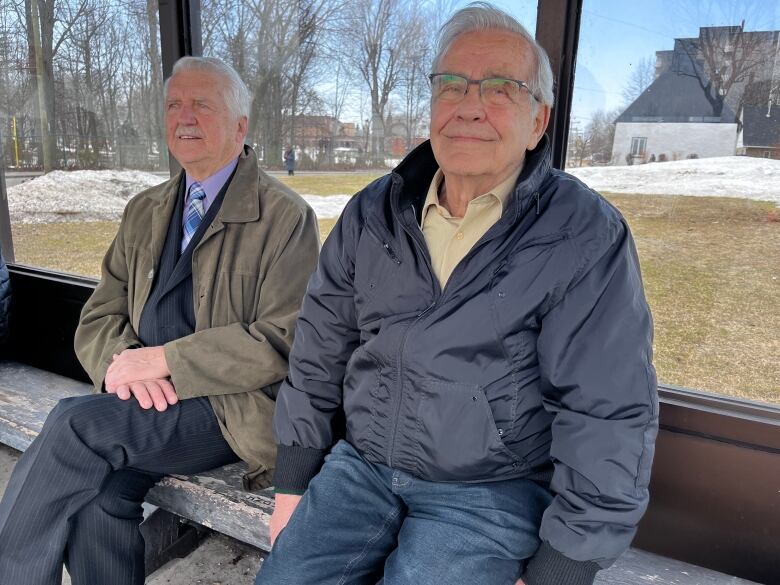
x: 102, y: 195
x: 725, y: 176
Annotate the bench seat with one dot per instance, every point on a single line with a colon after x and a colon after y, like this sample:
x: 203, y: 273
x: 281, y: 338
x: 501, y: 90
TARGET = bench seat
x: 216, y: 500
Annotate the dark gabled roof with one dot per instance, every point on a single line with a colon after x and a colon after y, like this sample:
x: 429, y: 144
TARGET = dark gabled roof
x: 674, y: 98
x: 758, y: 129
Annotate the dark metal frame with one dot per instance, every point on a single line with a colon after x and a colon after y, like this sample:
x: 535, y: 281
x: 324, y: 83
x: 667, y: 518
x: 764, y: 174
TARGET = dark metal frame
x: 182, y: 19
x: 560, y: 38
x: 717, y: 468
x: 6, y: 240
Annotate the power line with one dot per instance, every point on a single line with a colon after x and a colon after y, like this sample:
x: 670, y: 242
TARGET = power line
x: 666, y: 35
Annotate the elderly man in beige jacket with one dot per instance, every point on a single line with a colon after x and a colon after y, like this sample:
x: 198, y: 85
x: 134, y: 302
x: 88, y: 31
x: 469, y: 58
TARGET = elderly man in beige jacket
x: 186, y: 339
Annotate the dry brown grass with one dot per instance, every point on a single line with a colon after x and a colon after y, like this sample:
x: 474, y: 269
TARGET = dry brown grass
x: 711, y: 268
x: 329, y: 183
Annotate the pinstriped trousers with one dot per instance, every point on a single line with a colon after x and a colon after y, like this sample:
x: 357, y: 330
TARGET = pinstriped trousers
x: 75, y: 495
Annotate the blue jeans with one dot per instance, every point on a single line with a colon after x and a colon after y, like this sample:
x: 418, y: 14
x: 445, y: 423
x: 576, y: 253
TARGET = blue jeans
x: 363, y: 523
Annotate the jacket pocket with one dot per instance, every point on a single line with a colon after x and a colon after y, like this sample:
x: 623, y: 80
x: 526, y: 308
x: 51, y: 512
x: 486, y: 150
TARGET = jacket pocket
x: 456, y: 437
x: 377, y: 260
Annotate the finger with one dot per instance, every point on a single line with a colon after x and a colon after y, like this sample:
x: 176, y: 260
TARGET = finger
x: 110, y: 374
x: 169, y: 391
x: 158, y: 397
x: 123, y: 392
x: 141, y: 394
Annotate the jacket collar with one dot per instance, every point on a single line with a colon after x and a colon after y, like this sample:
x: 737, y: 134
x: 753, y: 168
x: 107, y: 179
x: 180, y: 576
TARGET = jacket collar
x: 415, y: 173
x: 241, y: 204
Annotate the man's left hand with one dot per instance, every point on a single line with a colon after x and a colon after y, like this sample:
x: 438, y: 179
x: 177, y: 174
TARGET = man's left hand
x: 134, y: 365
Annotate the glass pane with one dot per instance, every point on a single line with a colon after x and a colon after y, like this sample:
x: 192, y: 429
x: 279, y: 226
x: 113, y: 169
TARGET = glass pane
x: 80, y: 121
x: 676, y: 120
x: 315, y: 91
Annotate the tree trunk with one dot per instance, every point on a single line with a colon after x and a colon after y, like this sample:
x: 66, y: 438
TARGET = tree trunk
x: 156, y: 89
x: 45, y: 87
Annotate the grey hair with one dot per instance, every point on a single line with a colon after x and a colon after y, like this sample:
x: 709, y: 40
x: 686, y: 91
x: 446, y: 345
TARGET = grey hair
x: 234, y: 91
x: 483, y: 16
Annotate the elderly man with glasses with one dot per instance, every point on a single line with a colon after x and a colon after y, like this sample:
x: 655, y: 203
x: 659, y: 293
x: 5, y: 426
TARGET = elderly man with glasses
x: 471, y: 397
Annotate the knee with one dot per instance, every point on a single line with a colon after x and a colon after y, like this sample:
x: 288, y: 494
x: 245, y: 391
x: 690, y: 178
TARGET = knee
x: 66, y: 417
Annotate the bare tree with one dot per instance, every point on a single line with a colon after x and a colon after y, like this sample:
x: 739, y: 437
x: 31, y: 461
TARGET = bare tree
x: 41, y: 17
x: 376, y: 42
x: 600, y: 133
x: 720, y: 59
x: 640, y: 78
x: 724, y: 59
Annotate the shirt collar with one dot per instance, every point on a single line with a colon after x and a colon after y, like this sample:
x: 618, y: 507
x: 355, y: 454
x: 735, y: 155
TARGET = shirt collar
x: 501, y: 192
x: 213, y: 184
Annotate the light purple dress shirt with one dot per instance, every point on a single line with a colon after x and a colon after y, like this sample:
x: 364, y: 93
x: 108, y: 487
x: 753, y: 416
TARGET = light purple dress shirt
x: 212, y: 186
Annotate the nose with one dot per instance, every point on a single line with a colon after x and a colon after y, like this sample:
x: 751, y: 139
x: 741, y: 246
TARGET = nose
x: 187, y: 115
x: 471, y: 107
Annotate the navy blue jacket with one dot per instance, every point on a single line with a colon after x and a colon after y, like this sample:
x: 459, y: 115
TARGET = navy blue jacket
x: 5, y: 299
x: 534, y: 361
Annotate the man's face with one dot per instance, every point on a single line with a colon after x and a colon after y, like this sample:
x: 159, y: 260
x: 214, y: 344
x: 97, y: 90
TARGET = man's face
x: 474, y: 139
x: 203, y: 135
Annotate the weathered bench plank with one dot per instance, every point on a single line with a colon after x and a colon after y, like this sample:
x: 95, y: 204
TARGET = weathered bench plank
x: 216, y: 500
x: 27, y: 395
x: 637, y: 566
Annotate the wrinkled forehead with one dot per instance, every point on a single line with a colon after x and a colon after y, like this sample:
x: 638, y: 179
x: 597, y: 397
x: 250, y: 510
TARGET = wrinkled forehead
x: 488, y: 53
x: 196, y: 85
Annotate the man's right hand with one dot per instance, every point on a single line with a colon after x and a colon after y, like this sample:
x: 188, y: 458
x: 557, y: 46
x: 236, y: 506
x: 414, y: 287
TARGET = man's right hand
x: 283, y: 509
x: 148, y: 393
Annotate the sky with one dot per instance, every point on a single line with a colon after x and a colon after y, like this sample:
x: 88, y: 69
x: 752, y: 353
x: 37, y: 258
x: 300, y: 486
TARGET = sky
x: 615, y: 35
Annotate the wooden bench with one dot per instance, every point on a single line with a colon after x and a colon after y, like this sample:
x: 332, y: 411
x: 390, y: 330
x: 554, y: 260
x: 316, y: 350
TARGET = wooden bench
x: 213, y: 499
x: 216, y: 500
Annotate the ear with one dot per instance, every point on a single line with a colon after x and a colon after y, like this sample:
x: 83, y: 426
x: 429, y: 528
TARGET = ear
x: 243, y: 124
x: 540, y: 122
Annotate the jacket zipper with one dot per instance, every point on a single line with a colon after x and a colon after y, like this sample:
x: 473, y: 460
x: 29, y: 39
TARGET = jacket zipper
x: 390, y: 253
x: 391, y: 446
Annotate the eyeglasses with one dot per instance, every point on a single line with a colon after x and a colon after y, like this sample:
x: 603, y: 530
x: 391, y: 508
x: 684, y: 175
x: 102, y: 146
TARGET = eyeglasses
x: 496, y: 91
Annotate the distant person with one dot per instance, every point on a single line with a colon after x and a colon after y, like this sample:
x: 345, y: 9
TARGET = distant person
x: 5, y: 302
x: 186, y: 339
x: 289, y: 161
x: 471, y: 396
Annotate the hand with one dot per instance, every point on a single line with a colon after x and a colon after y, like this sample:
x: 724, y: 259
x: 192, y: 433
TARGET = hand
x: 283, y: 509
x: 519, y: 582
x: 158, y: 393
x: 135, y: 365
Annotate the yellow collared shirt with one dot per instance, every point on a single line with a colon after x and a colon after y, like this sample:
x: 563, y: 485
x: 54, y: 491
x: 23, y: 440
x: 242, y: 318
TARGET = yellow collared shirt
x: 450, y: 238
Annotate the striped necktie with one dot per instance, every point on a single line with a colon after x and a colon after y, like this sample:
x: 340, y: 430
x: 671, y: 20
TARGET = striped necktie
x: 195, y: 213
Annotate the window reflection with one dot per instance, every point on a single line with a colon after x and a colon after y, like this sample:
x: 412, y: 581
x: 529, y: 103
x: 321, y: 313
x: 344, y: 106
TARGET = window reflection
x: 81, y: 123
x: 675, y: 114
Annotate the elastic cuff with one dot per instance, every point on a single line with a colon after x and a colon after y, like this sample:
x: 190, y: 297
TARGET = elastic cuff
x: 285, y: 492
x: 295, y: 467
x: 549, y: 567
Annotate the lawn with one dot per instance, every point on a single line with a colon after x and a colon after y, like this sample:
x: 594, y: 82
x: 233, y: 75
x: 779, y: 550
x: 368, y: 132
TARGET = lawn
x: 710, y: 267
x: 329, y: 183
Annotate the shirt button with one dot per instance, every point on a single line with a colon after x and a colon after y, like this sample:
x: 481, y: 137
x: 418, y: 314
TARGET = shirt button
x: 459, y: 235
x: 151, y: 274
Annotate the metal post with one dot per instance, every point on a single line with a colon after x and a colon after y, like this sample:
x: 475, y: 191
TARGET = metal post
x: 560, y: 37
x: 180, y: 35
x: 6, y: 238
